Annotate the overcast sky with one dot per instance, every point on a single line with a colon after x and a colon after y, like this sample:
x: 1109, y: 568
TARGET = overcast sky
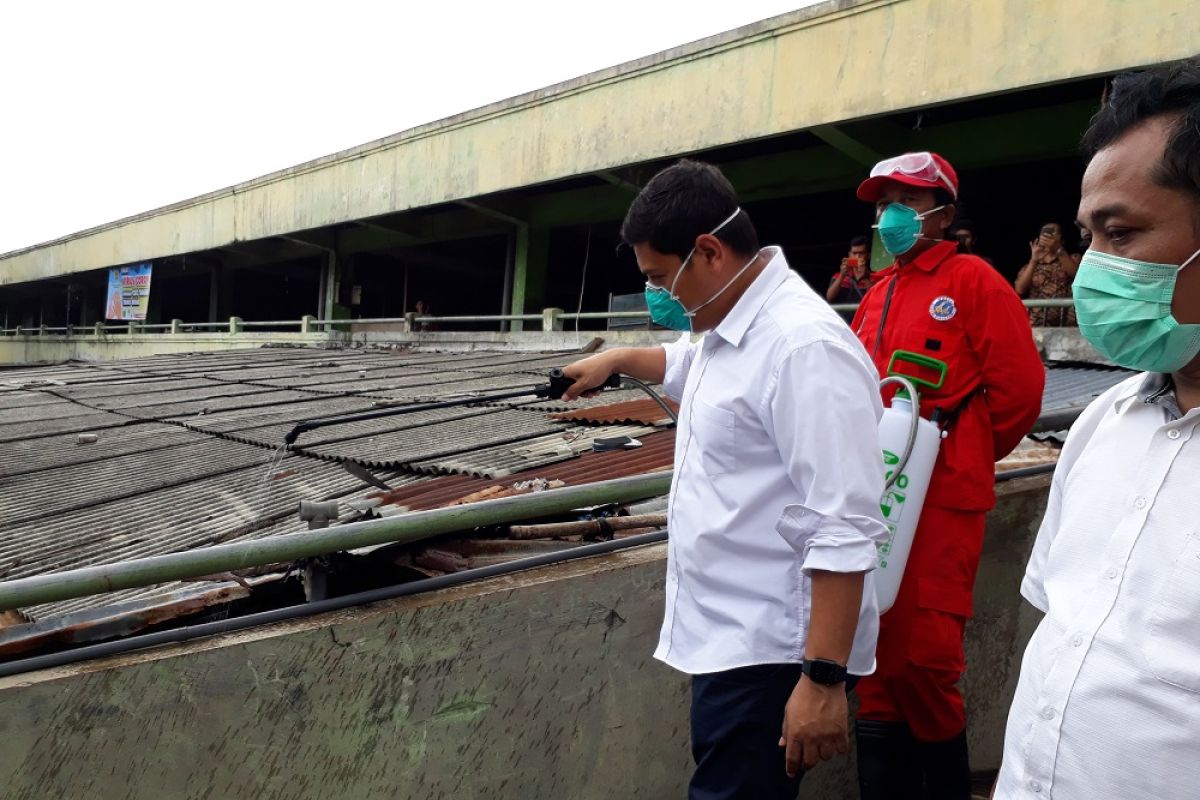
x: 113, y: 108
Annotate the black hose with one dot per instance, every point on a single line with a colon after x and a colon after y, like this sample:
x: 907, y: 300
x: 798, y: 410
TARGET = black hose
x: 191, y: 632
x: 1025, y: 472
x: 653, y: 394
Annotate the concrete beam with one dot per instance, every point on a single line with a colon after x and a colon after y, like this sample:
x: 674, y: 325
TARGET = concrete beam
x: 491, y: 212
x: 847, y: 145
x: 616, y: 180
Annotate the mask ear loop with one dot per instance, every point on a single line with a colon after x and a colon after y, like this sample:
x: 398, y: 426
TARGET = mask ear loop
x: 922, y: 217
x: 1190, y: 259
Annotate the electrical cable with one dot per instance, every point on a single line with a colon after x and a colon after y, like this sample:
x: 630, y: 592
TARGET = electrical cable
x: 587, y: 253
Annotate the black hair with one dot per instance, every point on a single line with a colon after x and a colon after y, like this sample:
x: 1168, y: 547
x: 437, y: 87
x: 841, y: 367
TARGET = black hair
x: 686, y: 200
x: 943, y: 197
x: 964, y: 224
x: 860, y: 241
x: 1134, y: 97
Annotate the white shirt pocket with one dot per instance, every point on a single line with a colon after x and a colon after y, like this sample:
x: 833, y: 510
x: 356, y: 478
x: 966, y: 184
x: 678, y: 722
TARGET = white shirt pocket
x: 715, y: 430
x: 1172, y: 642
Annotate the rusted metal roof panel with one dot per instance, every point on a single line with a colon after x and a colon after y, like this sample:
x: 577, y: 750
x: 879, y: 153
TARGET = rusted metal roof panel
x: 656, y: 453
x: 503, y: 460
x: 644, y: 411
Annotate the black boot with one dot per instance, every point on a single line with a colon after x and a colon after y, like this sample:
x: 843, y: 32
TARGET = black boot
x: 888, y: 764
x: 947, y: 769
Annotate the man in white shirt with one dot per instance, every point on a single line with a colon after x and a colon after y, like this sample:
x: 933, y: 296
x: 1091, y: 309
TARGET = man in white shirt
x: 1108, y: 703
x: 774, y: 511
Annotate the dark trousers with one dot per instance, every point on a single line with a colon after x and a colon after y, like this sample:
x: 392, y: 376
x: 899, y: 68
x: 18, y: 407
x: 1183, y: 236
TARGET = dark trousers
x: 737, y: 718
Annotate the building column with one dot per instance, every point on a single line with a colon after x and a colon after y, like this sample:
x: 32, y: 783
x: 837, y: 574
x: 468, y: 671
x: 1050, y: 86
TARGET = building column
x: 214, y: 292
x: 530, y: 259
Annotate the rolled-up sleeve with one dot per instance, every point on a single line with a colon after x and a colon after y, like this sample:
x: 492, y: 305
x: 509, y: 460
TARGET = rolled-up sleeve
x: 680, y: 355
x: 822, y: 407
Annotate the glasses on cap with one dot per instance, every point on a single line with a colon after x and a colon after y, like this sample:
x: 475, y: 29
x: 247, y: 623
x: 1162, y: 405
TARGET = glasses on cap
x: 921, y: 166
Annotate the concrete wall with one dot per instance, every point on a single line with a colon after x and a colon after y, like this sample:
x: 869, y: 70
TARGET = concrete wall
x: 56, y: 349
x: 1056, y: 344
x: 110, y: 347
x: 841, y: 60
x: 532, y: 686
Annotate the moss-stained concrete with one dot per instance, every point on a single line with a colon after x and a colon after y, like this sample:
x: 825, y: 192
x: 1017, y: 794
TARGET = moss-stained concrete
x: 538, y: 685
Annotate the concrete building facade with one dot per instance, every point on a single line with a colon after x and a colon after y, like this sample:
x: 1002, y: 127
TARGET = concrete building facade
x: 506, y: 204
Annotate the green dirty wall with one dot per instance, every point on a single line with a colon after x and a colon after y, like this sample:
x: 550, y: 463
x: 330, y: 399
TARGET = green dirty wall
x: 538, y: 685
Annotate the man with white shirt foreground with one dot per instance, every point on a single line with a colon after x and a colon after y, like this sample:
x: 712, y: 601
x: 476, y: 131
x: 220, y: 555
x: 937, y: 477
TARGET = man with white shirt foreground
x: 774, y: 510
x: 1108, y: 703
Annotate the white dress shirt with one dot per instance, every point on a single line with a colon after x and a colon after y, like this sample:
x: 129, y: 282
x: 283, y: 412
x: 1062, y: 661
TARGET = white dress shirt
x: 778, y: 472
x: 1108, y: 703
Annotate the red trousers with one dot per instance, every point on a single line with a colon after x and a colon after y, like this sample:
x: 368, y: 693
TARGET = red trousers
x: 919, y: 658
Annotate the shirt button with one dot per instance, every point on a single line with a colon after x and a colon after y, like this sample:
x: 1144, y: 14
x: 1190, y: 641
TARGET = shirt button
x: 1048, y: 713
x: 1140, y: 502
x: 1110, y: 573
x: 1076, y: 641
x: 1036, y: 787
x: 1173, y: 433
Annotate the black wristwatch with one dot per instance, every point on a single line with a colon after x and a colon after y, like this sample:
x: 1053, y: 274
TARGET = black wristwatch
x: 824, y: 671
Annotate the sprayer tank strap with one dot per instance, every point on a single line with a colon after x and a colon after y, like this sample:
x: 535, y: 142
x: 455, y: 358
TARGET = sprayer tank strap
x: 950, y: 417
x: 883, y: 315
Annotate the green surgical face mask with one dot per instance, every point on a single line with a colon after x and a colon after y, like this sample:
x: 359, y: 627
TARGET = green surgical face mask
x: 1124, y: 309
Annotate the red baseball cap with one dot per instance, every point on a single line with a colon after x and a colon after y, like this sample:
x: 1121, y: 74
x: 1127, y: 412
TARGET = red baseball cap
x: 923, y: 169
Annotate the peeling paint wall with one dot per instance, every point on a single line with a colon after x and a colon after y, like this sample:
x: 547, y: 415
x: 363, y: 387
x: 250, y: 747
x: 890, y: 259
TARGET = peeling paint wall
x: 537, y: 685
x: 842, y: 60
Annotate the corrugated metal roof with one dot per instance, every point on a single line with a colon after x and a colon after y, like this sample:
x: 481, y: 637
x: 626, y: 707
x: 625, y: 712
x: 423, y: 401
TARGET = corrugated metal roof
x: 497, y: 462
x: 656, y: 453
x: 185, y: 445
x: 1073, y: 386
x: 644, y: 411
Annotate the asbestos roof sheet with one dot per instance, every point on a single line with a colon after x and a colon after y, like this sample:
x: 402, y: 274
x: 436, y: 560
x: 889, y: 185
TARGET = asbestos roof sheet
x: 81, y: 423
x: 239, y: 504
x: 66, y: 449
x: 400, y: 447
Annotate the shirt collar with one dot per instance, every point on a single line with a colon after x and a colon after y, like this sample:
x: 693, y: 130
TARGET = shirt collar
x: 733, y: 328
x: 1158, y: 389
x: 931, y: 258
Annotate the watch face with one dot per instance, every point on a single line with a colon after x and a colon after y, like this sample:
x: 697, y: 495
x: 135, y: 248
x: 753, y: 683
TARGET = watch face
x: 824, y: 672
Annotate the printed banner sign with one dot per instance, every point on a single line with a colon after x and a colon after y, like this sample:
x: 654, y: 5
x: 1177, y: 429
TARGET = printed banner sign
x: 128, y: 292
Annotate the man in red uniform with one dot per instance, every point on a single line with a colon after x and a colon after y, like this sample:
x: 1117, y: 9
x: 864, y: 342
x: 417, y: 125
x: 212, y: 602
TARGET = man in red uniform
x: 936, y: 302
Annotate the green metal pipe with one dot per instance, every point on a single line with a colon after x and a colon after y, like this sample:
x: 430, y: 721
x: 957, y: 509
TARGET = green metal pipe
x: 136, y: 573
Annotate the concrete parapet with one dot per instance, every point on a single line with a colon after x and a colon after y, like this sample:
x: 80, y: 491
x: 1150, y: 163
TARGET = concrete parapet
x: 539, y: 684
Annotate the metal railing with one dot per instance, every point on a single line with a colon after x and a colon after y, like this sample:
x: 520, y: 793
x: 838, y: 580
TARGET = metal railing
x: 551, y: 319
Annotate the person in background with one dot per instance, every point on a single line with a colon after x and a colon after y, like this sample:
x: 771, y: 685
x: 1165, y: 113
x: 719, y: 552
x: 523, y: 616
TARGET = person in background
x: 853, y: 278
x: 1107, y: 706
x: 964, y: 233
x: 774, y: 509
x: 422, y: 309
x: 936, y: 303
x: 1048, y: 274
x: 1085, y: 241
